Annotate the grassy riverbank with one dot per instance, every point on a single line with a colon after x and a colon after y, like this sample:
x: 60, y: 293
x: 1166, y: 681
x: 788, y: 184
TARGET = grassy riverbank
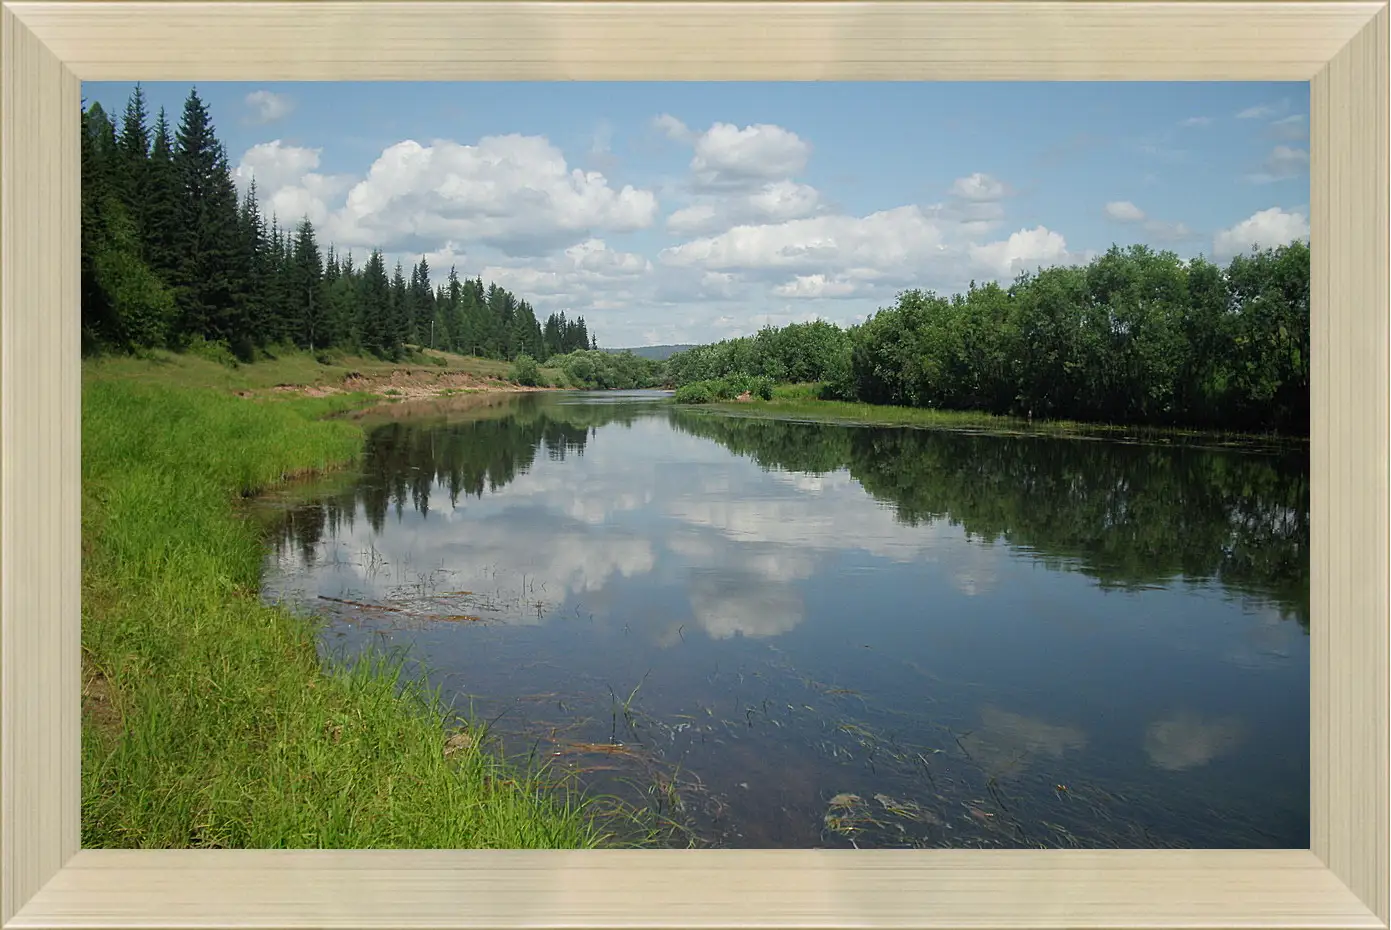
x: 208, y: 718
x: 427, y: 371
x: 802, y: 402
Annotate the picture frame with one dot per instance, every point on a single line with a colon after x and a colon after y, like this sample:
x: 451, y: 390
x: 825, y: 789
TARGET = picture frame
x: 48, y: 48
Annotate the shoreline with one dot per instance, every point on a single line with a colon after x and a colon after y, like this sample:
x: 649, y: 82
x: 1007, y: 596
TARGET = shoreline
x: 209, y: 718
x: 793, y: 403
x: 402, y: 383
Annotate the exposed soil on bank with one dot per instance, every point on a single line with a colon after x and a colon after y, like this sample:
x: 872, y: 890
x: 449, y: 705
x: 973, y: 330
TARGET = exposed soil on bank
x: 402, y: 382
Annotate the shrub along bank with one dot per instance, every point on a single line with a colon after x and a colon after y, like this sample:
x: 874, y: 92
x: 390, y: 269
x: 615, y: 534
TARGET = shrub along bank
x: 1135, y: 337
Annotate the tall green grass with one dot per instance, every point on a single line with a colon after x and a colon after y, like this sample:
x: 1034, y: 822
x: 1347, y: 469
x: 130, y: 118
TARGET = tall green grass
x: 209, y: 718
x: 209, y: 367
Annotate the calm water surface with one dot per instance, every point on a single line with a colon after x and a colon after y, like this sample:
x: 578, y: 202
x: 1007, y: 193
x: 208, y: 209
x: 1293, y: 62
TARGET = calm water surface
x: 779, y: 634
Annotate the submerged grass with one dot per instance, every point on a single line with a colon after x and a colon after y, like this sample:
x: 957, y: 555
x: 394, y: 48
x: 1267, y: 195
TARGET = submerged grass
x: 210, y: 719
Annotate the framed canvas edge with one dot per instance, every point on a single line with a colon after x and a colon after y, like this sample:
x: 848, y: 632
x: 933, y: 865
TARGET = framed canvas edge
x: 45, y: 881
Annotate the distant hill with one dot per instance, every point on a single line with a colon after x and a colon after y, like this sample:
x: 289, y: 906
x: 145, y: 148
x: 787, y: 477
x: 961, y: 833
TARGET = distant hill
x: 660, y: 353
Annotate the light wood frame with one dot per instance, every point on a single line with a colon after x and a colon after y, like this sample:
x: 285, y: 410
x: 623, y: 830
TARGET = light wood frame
x: 48, y: 48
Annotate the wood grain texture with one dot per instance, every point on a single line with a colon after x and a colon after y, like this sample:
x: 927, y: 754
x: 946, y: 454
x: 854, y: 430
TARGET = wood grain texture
x: 40, y: 475
x: 1342, y: 881
x: 887, y: 40
x: 697, y: 889
x: 1350, y: 203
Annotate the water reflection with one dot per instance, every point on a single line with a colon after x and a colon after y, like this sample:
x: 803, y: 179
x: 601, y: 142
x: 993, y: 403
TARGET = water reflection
x: 1006, y: 742
x: 1130, y: 515
x: 1186, y: 741
x: 819, y: 635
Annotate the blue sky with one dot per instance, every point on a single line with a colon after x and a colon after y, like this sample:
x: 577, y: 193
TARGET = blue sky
x: 691, y: 212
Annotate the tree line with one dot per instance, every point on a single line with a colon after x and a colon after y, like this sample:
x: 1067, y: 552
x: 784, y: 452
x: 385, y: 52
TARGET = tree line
x: 1135, y: 337
x: 172, y: 256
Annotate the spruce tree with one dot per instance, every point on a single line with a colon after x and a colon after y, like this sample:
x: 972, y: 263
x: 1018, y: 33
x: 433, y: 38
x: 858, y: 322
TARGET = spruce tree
x: 307, y: 296
x: 375, y: 305
x: 525, y: 337
x: 422, y: 309
x: 550, y: 337
x: 98, y: 146
x: 454, y: 315
x: 162, y: 198
x: 208, y: 294
x: 397, y: 310
x: 253, y: 264
x: 134, y: 147
x: 341, y: 282
x: 276, y: 286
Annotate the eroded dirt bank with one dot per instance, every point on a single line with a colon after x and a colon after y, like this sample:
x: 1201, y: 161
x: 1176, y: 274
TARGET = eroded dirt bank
x: 402, y: 382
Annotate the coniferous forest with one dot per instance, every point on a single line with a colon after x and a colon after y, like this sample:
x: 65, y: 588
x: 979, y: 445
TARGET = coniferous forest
x: 172, y: 256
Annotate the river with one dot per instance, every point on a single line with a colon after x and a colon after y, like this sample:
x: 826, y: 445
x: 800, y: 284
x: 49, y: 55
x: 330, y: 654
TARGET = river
x: 784, y: 634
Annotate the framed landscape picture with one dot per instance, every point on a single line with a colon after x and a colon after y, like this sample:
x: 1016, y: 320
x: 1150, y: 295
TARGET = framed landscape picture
x: 646, y: 464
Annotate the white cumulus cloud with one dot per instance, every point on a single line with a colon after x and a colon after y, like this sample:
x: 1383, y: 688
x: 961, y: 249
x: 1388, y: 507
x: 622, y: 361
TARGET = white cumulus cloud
x: 587, y: 277
x: 673, y: 128
x: 1124, y: 211
x: 818, y: 285
x: 268, y: 107
x: 772, y: 202
x: 1024, y: 250
x: 515, y: 193
x: 813, y: 245
x: 978, y: 186
x: 1265, y: 229
x: 727, y: 156
x: 288, y: 182
x: 740, y: 176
